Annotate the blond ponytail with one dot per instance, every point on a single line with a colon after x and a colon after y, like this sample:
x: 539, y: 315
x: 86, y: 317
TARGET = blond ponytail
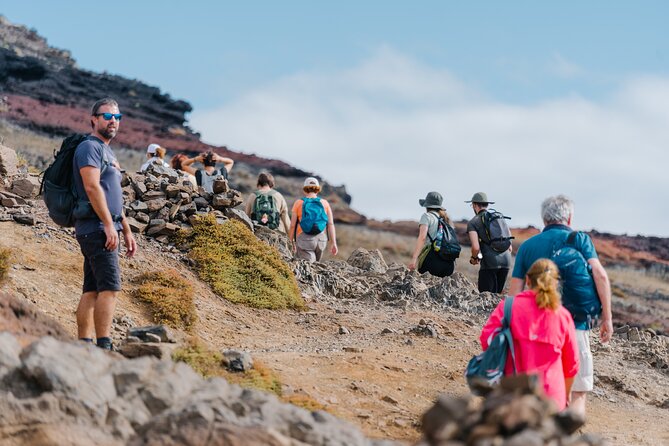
x: 543, y: 276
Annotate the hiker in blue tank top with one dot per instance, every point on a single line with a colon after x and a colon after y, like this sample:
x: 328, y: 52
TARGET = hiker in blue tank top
x: 557, y: 236
x: 311, y: 224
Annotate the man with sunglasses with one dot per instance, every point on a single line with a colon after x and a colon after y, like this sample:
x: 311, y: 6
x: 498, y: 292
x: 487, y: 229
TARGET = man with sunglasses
x: 98, y: 220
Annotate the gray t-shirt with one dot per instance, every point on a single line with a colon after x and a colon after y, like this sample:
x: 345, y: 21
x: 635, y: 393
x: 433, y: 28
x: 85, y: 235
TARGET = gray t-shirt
x: 491, y: 258
x: 431, y: 220
x: 90, y: 153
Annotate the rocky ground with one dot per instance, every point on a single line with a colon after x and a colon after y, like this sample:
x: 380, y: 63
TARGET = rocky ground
x: 377, y: 358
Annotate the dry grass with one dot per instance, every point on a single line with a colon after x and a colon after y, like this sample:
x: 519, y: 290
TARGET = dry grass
x: 170, y: 298
x: 5, y: 264
x: 240, y: 267
x: 209, y: 363
x: 640, y: 280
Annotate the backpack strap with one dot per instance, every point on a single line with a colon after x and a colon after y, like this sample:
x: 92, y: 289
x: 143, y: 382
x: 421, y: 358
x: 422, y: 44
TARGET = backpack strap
x: 439, y: 220
x: 571, y: 238
x: 506, y: 324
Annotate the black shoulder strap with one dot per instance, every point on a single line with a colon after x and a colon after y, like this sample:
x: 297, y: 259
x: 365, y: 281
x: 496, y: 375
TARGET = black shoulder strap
x: 571, y: 238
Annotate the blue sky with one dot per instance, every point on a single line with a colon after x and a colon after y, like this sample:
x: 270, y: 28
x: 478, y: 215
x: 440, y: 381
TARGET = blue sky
x: 520, y: 99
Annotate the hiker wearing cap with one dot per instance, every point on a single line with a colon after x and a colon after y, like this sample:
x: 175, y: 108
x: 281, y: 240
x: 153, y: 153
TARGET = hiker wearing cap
x: 97, y: 222
x: 311, y: 224
x: 267, y: 206
x: 205, y: 176
x: 543, y: 333
x: 155, y: 155
x: 434, y: 226
x: 586, y: 290
x: 491, y: 245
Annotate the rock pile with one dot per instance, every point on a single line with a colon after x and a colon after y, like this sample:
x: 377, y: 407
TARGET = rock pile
x: 17, y: 190
x: 514, y: 414
x: 162, y: 200
x: 365, y: 276
x: 54, y: 392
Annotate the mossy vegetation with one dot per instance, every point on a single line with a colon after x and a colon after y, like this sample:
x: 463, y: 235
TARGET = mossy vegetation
x: 209, y: 363
x: 5, y: 264
x: 170, y: 298
x: 241, y: 268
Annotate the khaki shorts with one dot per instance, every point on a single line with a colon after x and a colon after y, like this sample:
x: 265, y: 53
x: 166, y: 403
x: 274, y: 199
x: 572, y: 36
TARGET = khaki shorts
x: 583, y: 381
x: 311, y: 247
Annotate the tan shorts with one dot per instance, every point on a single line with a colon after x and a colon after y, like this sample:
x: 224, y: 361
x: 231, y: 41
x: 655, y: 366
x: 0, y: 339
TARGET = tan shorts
x: 583, y: 381
x: 311, y: 247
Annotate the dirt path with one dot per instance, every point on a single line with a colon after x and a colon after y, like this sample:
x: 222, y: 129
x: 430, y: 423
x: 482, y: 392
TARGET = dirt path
x: 379, y: 381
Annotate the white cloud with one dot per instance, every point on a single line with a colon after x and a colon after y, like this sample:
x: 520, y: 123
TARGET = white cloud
x: 392, y: 129
x: 564, y: 68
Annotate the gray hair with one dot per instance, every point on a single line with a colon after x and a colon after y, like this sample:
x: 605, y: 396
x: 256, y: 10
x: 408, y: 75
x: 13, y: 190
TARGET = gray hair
x: 557, y: 209
x: 99, y: 103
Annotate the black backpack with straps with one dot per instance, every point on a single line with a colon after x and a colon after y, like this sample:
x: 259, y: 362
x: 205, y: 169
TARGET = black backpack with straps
x: 57, y: 189
x: 498, y: 234
x: 445, y: 244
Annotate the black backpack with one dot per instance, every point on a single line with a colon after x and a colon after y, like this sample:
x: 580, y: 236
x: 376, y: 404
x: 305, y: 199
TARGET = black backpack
x: 498, y: 234
x: 264, y: 210
x: 445, y: 244
x: 57, y: 189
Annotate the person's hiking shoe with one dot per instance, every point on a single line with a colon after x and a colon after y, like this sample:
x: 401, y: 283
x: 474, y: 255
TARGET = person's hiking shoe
x: 105, y: 343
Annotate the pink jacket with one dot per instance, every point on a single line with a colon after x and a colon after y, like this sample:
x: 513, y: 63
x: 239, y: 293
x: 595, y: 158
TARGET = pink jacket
x: 544, y: 342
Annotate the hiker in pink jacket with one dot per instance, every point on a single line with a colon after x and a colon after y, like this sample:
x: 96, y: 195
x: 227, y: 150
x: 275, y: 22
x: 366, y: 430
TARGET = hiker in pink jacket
x: 544, y: 336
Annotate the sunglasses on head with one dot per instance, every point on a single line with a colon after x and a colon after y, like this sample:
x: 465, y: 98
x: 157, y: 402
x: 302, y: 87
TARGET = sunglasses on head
x: 108, y: 116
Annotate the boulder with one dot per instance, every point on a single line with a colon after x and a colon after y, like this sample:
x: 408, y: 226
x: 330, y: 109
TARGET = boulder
x: 237, y: 361
x: 8, y: 162
x: 236, y: 214
x: 27, y: 187
x: 368, y: 260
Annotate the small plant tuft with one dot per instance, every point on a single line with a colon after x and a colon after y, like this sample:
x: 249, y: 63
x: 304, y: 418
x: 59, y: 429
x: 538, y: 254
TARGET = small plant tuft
x: 209, y: 363
x: 5, y: 263
x: 240, y: 267
x: 170, y: 297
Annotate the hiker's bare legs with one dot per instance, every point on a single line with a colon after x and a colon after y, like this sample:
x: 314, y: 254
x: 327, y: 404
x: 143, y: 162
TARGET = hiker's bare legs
x: 577, y: 403
x: 105, y: 305
x: 85, y: 327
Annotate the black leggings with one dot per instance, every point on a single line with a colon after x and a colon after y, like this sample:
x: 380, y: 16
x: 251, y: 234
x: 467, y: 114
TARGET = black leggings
x: 492, y: 279
x: 436, y: 266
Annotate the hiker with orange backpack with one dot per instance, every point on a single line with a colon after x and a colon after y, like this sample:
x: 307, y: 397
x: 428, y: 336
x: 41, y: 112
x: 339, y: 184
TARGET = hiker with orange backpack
x: 311, y: 224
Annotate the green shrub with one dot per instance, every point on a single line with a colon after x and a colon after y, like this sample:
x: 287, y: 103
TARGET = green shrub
x: 5, y: 264
x: 170, y: 297
x: 241, y: 268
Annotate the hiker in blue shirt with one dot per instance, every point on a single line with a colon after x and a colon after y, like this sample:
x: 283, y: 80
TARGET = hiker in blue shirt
x: 97, y: 179
x: 557, y: 213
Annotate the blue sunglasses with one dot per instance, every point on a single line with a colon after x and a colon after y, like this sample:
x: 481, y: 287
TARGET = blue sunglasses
x: 108, y: 116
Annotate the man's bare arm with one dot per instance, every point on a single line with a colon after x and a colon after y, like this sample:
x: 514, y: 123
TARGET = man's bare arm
x: 604, y: 291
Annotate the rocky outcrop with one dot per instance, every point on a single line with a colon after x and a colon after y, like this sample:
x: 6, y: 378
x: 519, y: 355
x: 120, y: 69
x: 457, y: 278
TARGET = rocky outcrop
x: 22, y: 319
x: 54, y: 392
x: 514, y: 414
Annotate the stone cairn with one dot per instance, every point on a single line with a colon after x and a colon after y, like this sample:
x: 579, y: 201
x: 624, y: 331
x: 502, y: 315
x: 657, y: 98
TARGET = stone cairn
x: 161, y: 201
x: 513, y: 414
x: 18, y: 189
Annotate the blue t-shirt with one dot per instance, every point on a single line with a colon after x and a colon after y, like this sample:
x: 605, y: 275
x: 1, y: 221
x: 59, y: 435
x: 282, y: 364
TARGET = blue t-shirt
x: 90, y: 153
x: 541, y: 246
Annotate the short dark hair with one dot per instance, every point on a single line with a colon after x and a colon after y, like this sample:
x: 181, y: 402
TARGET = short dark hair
x: 208, y: 159
x: 99, y: 103
x: 480, y: 204
x: 265, y: 179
